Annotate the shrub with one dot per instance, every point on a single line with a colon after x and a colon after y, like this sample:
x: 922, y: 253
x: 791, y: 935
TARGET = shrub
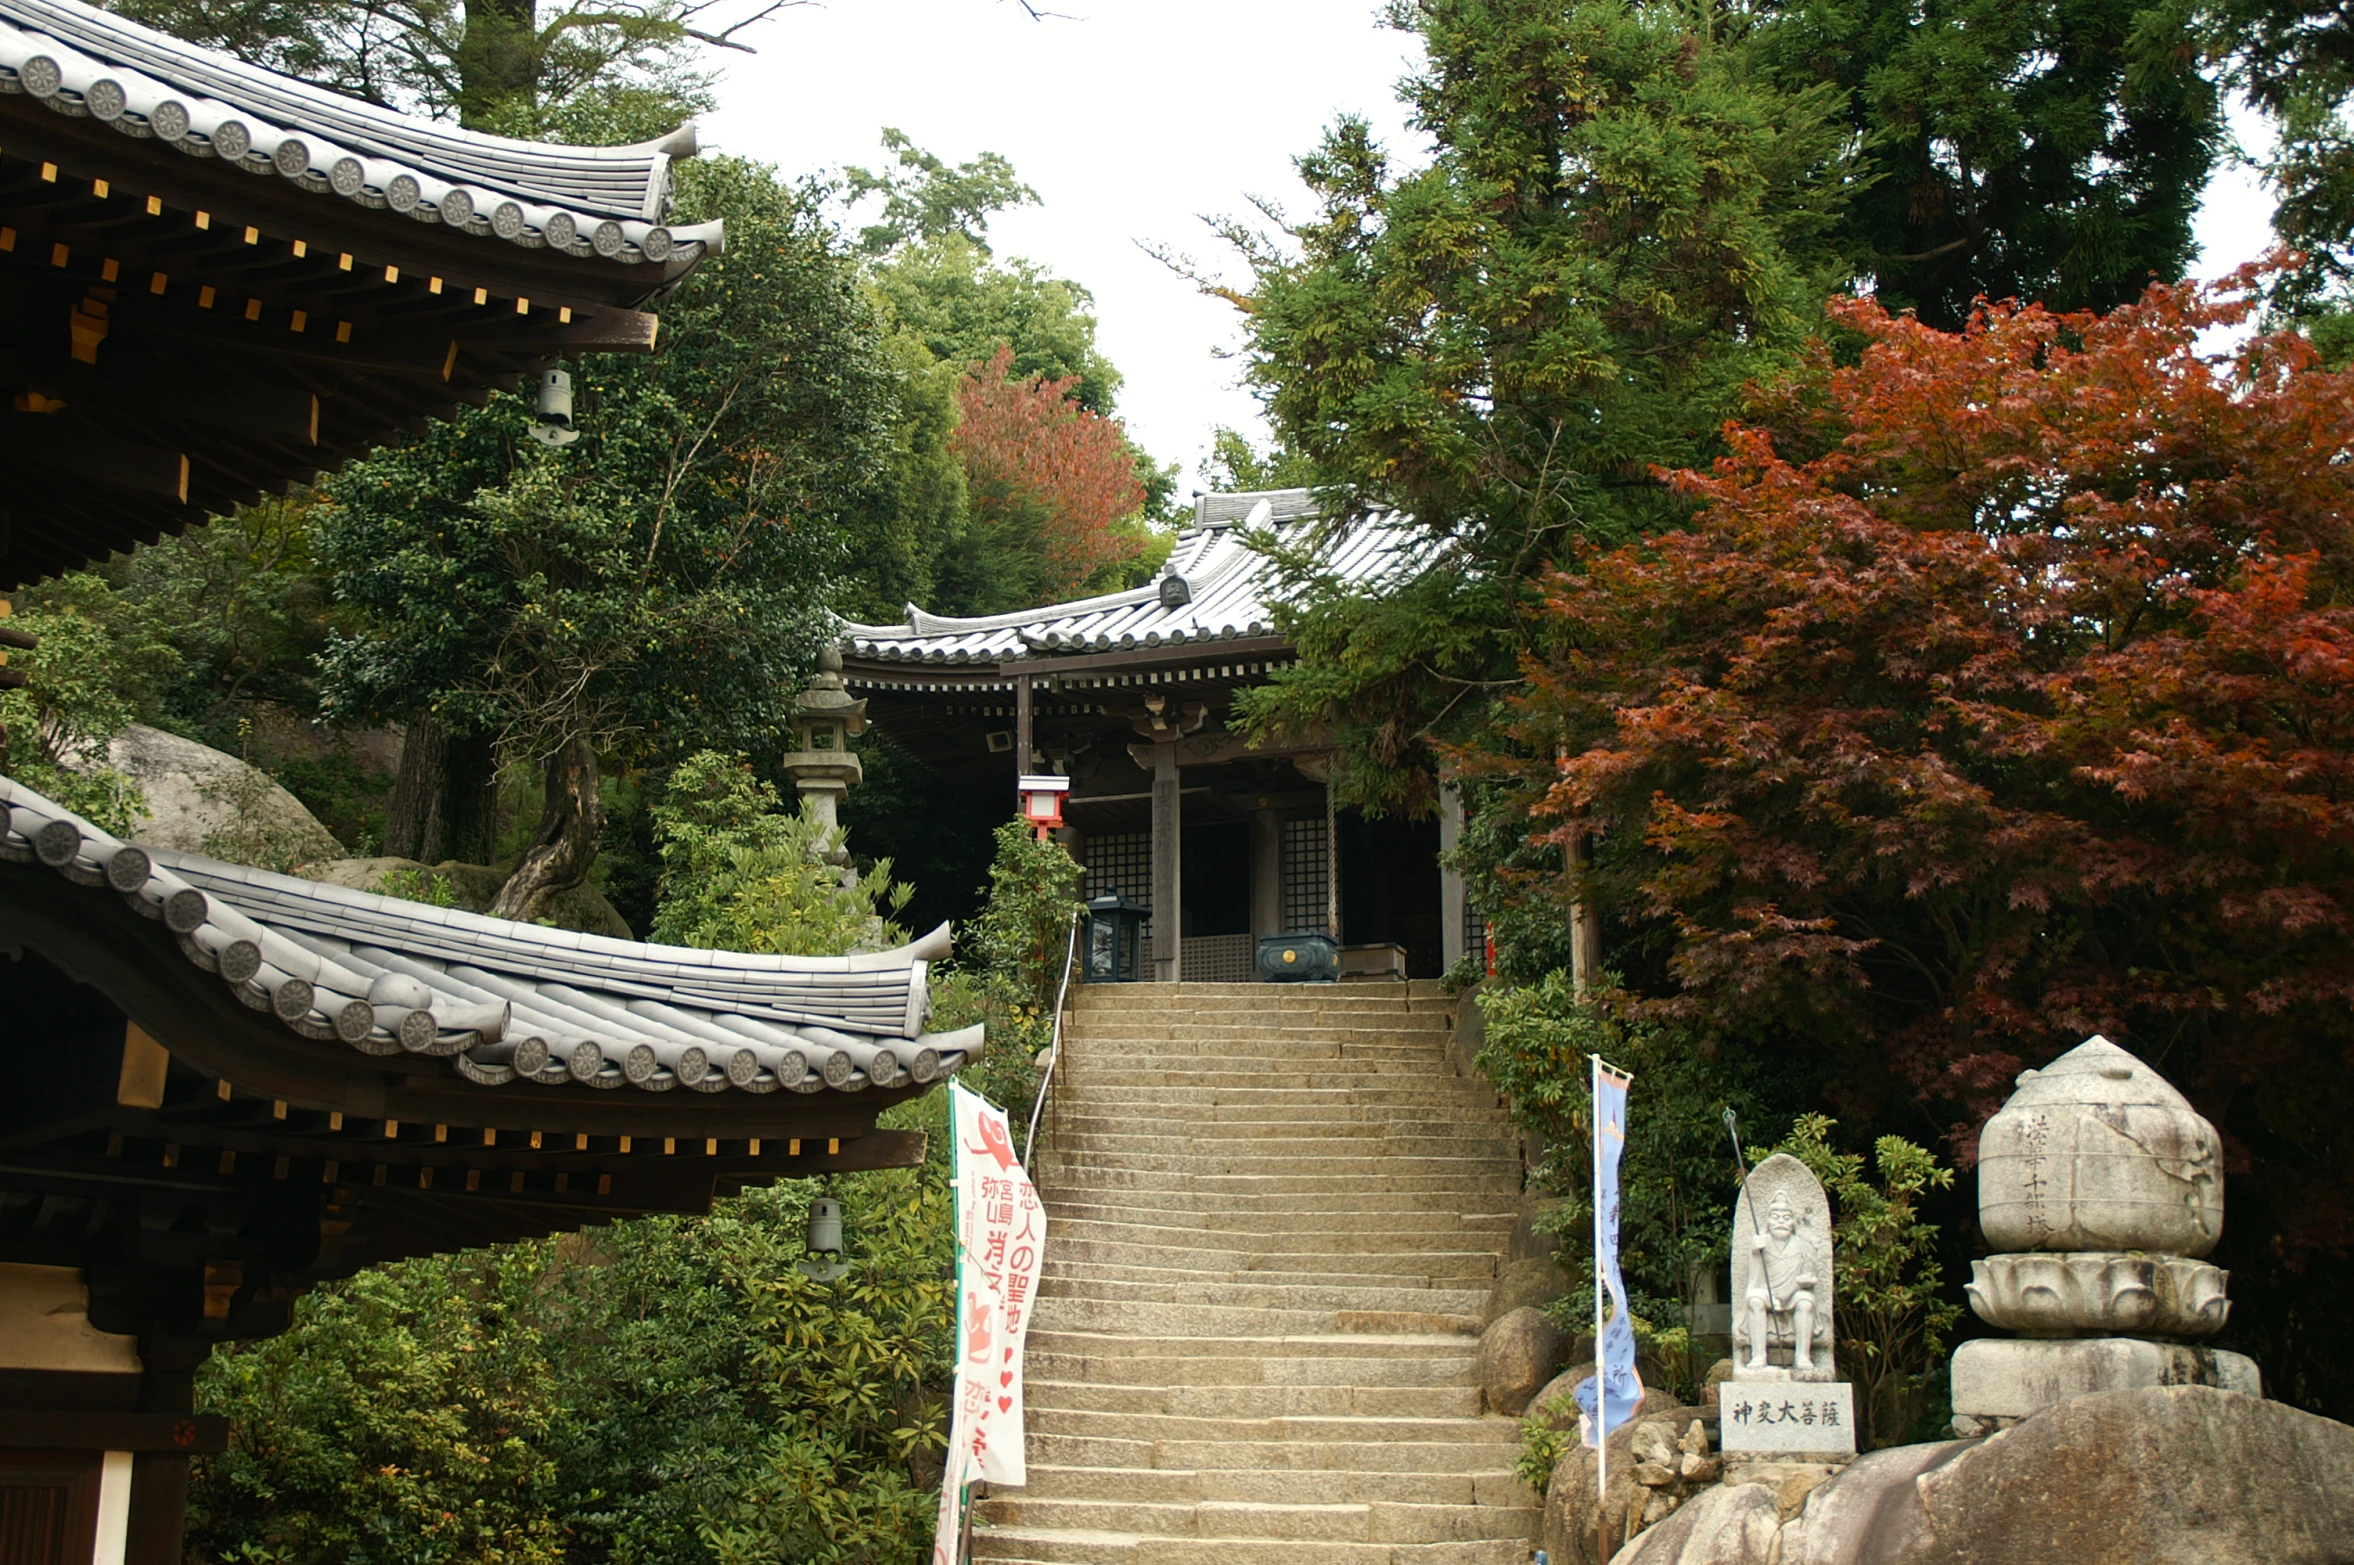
x: 1892, y: 1318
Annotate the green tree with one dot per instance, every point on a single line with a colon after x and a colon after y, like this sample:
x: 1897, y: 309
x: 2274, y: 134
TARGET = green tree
x: 622, y: 70
x: 924, y: 199
x: 1621, y: 225
x: 1235, y: 465
x: 656, y: 587
x: 2016, y: 148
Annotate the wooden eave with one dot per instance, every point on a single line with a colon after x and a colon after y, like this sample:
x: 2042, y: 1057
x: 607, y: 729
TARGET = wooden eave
x: 254, y: 334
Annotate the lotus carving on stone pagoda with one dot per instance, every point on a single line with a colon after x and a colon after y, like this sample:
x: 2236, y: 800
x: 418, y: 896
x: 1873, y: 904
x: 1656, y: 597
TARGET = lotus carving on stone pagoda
x: 2100, y: 1293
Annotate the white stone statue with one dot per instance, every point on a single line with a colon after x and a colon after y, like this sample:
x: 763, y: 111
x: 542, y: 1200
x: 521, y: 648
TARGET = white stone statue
x: 1782, y: 1282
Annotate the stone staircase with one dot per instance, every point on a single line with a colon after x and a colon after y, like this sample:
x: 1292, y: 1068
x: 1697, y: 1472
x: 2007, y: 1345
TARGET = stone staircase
x: 1277, y: 1216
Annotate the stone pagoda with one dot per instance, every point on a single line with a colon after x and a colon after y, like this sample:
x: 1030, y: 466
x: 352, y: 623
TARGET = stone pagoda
x: 2103, y: 1188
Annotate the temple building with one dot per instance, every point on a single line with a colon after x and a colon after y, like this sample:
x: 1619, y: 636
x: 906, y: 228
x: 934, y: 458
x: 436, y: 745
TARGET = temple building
x: 227, y: 1085
x: 1131, y: 695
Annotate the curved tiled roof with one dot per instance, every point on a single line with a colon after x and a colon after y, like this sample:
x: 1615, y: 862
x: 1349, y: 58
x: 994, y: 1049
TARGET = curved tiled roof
x: 588, y: 201
x: 503, y: 1001
x: 1227, y: 587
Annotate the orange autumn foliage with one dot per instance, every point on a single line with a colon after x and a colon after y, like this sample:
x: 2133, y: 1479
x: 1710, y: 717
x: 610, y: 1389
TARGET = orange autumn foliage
x: 1050, y: 486
x: 2017, y: 705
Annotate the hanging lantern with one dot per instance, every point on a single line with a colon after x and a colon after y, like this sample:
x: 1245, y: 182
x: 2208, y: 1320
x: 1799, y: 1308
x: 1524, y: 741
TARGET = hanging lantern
x: 1042, y: 802
x: 825, y: 1263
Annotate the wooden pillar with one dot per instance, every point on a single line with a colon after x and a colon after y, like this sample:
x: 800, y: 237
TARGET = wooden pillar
x: 1167, y: 886
x: 1331, y: 866
x: 1023, y: 747
x: 1266, y: 873
x: 1452, y: 902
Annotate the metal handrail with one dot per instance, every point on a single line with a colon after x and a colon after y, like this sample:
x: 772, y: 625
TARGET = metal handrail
x: 1054, y: 1045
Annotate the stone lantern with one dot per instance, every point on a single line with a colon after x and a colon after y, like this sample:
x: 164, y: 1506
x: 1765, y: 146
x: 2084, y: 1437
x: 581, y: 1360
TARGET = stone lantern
x: 2104, y: 1189
x: 825, y: 718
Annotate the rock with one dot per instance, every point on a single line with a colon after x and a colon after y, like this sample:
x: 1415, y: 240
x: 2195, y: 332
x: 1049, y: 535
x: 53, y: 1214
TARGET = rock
x: 472, y: 887
x: 2172, y: 1475
x: 1732, y: 1525
x: 1557, y: 1394
x: 198, y: 795
x: 1529, y: 1242
x: 1517, y: 1355
x: 1570, y: 1500
x: 1844, y: 1513
x: 1655, y: 1444
x: 1529, y: 1284
x: 1555, y: 1403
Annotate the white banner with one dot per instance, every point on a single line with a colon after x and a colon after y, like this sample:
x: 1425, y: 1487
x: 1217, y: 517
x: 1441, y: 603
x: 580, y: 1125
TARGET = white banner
x: 1001, y: 1242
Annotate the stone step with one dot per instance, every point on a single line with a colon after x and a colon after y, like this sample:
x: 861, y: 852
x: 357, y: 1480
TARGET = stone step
x: 1388, y: 1166
x: 1387, y: 1134
x: 1067, y: 1313
x: 1381, y: 1521
x: 1050, y: 1546
x: 1499, y: 1489
x: 1276, y: 1035
x: 1080, y: 1094
x: 1435, y: 1225
x: 1266, y: 1295
x: 1296, y: 1455
x: 1303, y: 1429
x: 1303, y: 1358
x: 1309, y: 1187
x: 1152, y: 1127
x: 1209, y: 1264
x: 1393, y: 991
x: 1114, y: 1070
x: 1257, y: 1401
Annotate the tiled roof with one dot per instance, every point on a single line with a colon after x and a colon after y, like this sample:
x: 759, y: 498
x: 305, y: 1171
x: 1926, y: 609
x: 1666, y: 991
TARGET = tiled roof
x: 1224, y: 597
x: 589, y: 201
x: 504, y: 1001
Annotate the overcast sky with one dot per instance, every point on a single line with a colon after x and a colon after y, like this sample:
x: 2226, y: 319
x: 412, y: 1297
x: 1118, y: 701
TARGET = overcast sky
x: 1131, y: 118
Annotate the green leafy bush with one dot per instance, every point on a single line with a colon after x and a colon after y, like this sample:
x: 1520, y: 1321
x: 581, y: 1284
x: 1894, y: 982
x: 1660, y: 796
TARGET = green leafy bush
x: 664, y: 1392
x: 1892, y: 1316
x: 1677, y: 1178
x: 70, y: 708
x: 1011, y: 962
x: 742, y: 873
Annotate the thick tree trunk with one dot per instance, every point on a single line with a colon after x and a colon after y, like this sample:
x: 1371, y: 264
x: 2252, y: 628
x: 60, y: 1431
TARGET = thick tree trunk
x: 445, y: 800
x: 469, y: 813
x: 570, y: 826
x: 416, y: 792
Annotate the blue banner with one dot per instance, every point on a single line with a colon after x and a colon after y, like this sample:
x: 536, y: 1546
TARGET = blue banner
x: 1609, y: 1398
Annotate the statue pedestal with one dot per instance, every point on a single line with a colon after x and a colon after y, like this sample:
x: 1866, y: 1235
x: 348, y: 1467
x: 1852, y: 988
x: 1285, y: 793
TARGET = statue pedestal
x: 1813, y: 1418
x: 1999, y: 1380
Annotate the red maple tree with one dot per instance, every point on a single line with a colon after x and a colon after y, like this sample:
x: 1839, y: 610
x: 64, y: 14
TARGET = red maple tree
x: 1051, y: 486
x: 2019, y: 707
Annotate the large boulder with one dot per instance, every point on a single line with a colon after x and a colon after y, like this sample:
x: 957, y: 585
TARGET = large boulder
x: 203, y: 800
x: 2165, y: 1475
x: 1517, y: 1355
x: 1530, y: 1284
x: 1529, y: 1241
x: 2162, y: 1475
x: 1732, y: 1524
